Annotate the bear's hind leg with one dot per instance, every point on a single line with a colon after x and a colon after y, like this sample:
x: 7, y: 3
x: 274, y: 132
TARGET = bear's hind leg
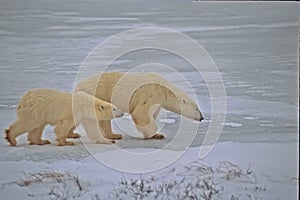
x: 17, y: 128
x: 105, y: 125
x: 61, y: 130
x: 34, y: 136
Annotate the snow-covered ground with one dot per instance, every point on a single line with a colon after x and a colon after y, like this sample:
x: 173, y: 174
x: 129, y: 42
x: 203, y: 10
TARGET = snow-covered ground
x: 254, y: 45
x: 233, y: 171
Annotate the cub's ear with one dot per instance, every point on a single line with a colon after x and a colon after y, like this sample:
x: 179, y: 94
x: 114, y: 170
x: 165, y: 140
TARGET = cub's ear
x: 101, y: 107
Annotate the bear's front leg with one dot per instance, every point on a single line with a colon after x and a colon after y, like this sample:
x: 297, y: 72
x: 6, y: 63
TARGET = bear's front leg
x: 72, y: 134
x: 146, y: 124
x: 158, y: 136
x: 150, y: 131
x: 155, y: 115
x: 105, y: 126
x: 94, y: 132
x: 61, y: 130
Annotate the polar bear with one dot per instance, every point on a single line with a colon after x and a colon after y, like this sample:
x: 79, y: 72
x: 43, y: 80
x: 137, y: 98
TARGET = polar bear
x: 142, y: 96
x: 40, y: 107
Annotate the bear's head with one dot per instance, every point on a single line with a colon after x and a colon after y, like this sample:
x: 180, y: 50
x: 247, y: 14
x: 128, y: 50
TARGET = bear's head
x: 179, y: 102
x: 189, y: 108
x: 176, y: 100
x: 106, y: 111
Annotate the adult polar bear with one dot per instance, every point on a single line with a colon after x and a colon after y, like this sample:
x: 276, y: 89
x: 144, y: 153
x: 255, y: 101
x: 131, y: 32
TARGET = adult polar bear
x: 140, y: 95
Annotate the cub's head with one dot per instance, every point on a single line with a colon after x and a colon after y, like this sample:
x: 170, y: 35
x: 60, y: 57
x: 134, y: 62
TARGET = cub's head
x: 106, y: 111
x: 87, y: 106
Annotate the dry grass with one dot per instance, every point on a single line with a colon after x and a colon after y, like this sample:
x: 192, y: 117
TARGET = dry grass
x: 48, y: 176
x: 139, y: 189
x: 198, y: 180
x: 230, y: 171
x: 55, y: 185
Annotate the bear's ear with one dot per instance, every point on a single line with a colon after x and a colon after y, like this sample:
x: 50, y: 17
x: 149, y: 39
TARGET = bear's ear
x: 101, y: 107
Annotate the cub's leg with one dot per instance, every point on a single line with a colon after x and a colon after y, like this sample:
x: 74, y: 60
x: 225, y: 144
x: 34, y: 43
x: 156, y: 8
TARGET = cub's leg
x: 19, y: 127
x: 94, y: 132
x: 146, y: 124
x: 105, y: 125
x: 73, y: 135
x: 61, y: 130
x: 34, y: 136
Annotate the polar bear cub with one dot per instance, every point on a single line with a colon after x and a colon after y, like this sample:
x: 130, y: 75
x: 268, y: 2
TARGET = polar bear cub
x: 40, y: 107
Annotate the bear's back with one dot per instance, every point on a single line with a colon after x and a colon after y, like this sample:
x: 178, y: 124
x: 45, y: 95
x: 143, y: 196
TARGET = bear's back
x: 44, y: 105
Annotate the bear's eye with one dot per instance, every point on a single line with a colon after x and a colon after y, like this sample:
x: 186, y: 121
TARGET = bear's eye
x: 183, y: 101
x: 101, y: 107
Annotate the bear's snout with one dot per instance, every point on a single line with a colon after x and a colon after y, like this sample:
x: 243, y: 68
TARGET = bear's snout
x: 198, y: 116
x: 117, y: 112
x: 201, y: 118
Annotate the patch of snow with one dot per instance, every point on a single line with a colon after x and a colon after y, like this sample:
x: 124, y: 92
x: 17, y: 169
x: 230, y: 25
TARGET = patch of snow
x: 267, y: 125
x: 7, y: 106
x: 231, y: 124
x: 167, y: 121
x: 250, y: 118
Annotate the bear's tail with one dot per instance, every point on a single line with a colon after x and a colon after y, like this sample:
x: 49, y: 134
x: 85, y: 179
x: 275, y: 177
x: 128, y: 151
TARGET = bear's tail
x: 8, y: 138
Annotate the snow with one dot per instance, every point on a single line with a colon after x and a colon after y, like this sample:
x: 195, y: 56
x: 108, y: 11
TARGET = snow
x: 232, y: 124
x: 276, y: 178
x: 167, y: 121
x: 250, y: 118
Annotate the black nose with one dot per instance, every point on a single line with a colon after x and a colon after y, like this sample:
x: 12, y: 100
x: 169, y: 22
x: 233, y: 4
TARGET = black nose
x: 201, y: 119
